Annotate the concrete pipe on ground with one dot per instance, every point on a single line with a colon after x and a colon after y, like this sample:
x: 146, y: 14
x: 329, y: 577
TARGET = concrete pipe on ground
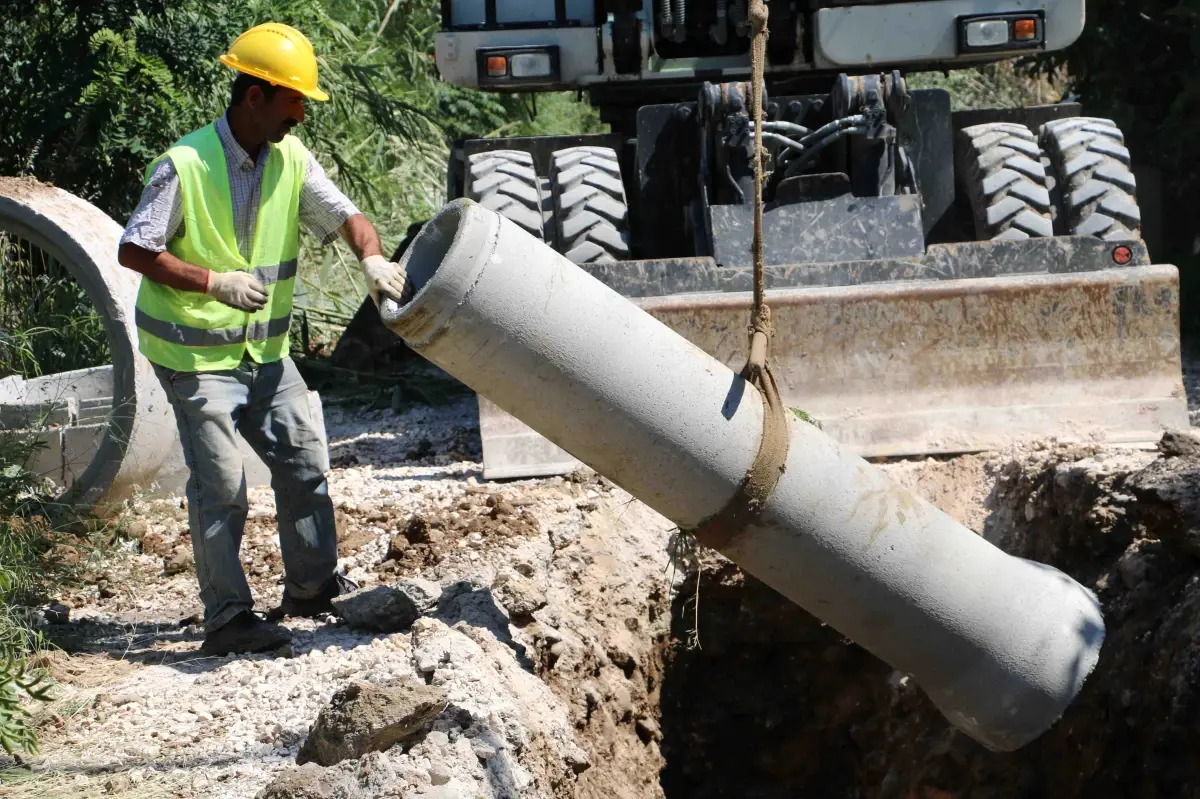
x: 1001, y: 645
x: 109, y: 431
x: 138, y: 433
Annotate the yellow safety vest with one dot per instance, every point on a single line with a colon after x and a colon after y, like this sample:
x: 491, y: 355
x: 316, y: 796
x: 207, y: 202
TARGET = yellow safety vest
x: 190, y: 331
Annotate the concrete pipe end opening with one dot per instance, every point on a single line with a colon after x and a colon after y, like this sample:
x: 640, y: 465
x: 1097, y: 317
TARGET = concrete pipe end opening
x: 443, y: 263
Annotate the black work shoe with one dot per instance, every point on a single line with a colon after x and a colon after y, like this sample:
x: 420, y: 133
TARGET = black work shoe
x: 245, y: 634
x: 318, y: 605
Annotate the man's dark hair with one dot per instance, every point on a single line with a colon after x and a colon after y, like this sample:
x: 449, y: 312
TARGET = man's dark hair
x: 242, y: 84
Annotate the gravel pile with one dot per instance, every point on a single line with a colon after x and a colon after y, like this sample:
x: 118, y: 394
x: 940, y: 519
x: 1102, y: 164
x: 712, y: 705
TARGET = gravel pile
x: 530, y: 593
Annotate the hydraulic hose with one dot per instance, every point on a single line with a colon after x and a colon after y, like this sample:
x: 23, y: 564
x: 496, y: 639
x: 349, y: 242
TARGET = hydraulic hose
x: 811, y: 150
x: 857, y: 120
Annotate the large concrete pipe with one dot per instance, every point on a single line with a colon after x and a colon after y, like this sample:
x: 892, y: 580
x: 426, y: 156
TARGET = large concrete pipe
x: 139, y: 431
x: 117, y: 436
x: 1001, y: 645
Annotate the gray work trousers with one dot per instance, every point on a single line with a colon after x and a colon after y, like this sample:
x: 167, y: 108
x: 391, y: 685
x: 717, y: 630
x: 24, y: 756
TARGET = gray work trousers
x: 268, y: 405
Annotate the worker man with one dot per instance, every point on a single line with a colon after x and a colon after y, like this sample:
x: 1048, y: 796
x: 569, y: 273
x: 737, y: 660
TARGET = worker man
x: 216, y: 237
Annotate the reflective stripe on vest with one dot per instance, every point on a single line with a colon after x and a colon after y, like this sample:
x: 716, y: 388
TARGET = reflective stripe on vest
x: 207, y: 337
x: 190, y: 331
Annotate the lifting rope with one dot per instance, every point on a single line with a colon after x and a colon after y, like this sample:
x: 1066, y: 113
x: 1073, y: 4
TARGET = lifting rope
x: 771, y: 459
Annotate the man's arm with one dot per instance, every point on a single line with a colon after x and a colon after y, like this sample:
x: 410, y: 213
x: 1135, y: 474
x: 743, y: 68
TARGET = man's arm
x: 143, y: 246
x: 383, y: 277
x: 361, y: 236
x: 238, y: 290
x: 162, y: 267
x: 327, y: 212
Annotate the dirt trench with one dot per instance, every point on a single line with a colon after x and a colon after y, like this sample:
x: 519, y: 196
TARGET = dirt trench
x: 772, y: 703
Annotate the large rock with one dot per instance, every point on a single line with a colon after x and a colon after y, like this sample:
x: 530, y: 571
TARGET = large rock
x: 388, y: 608
x: 364, y: 779
x: 365, y: 718
x: 310, y: 781
x: 518, y: 595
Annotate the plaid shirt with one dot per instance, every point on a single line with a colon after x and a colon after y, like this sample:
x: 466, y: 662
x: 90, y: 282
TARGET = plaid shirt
x: 323, y: 208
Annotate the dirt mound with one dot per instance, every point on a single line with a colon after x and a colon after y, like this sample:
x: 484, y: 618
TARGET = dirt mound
x: 775, y: 704
x: 481, y: 519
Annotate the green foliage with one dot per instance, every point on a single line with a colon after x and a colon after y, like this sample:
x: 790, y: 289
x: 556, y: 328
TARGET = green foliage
x: 1005, y: 84
x: 24, y: 545
x: 18, y: 486
x: 93, y: 89
x: 805, y: 416
x: 16, y: 683
x: 47, y: 321
x: 128, y: 91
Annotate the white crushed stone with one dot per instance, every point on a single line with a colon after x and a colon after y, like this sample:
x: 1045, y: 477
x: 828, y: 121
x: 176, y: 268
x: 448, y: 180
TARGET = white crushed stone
x: 226, y: 727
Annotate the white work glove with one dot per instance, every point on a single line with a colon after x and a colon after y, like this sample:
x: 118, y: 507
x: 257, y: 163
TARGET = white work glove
x: 237, y: 289
x: 386, y: 278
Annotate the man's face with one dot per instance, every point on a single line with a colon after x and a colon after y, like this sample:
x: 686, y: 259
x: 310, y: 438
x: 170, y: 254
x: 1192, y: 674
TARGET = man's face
x: 276, y: 117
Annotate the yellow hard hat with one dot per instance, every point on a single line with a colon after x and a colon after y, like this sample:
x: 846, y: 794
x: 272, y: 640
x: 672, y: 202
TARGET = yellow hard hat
x: 278, y: 53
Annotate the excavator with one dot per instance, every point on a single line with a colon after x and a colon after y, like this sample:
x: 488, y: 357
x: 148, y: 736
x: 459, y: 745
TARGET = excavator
x: 940, y: 282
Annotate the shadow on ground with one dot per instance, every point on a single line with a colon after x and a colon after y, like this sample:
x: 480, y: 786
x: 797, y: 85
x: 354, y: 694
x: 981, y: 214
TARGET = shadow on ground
x: 176, y: 644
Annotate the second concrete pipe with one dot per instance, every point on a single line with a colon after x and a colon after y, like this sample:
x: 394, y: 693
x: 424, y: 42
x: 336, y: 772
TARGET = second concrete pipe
x: 1001, y: 645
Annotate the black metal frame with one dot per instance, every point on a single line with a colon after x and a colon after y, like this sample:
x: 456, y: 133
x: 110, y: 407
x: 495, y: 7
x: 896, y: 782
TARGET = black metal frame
x: 491, y: 23
x: 687, y: 169
x: 693, y: 156
x: 1057, y: 255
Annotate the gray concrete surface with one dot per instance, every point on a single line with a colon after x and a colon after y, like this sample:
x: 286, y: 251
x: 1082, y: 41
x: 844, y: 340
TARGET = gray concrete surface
x: 70, y: 413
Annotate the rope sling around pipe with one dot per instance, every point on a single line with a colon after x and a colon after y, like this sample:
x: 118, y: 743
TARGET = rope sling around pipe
x: 760, y: 481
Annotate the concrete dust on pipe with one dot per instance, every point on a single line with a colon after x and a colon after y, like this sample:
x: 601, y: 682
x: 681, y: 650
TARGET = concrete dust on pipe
x: 1002, y: 645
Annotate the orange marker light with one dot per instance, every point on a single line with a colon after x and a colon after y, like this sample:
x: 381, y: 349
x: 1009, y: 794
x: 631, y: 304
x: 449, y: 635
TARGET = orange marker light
x: 1024, y: 29
x: 1122, y: 255
x: 497, y: 66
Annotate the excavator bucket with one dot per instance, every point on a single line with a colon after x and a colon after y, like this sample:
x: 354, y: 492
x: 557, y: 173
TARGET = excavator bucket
x: 937, y: 366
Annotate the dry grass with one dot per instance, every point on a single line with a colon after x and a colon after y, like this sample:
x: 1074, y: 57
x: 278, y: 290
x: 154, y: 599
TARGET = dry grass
x: 19, y: 783
x: 79, y: 680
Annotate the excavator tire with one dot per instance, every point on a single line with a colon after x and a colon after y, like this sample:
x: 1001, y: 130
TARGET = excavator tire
x: 999, y: 165
x: 506, y: 182
x: 1097, y: 189
x: 590, y: 213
